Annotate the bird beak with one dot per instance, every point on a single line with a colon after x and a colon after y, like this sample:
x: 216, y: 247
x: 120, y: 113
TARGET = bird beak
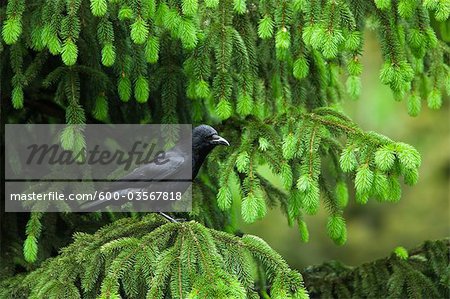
x: 218, y: 140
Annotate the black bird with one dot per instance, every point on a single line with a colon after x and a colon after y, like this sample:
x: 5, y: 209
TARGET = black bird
x: 204, y: 140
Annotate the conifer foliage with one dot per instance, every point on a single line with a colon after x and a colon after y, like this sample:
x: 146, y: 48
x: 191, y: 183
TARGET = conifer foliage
x: 149, y: 259
x: 268, y: 73
x: 421, y: 273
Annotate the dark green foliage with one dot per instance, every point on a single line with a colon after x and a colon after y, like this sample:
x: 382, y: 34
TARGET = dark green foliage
x: 149, y: 258
x: 273, y: 68
x: 268, y: 74
x: 423, y: 274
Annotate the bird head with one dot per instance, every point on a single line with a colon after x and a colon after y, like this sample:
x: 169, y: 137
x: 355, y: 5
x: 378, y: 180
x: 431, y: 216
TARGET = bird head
x: 205, y: 136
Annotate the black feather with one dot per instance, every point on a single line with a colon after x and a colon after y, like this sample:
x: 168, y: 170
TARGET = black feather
x: 204, y: 140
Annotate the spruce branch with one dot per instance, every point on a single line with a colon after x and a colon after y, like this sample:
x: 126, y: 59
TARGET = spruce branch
x: 403, y: 276
x: 121, y: 246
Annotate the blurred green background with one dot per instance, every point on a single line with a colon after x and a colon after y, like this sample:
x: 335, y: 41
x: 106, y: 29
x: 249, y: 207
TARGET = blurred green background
x: 375, y: 229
